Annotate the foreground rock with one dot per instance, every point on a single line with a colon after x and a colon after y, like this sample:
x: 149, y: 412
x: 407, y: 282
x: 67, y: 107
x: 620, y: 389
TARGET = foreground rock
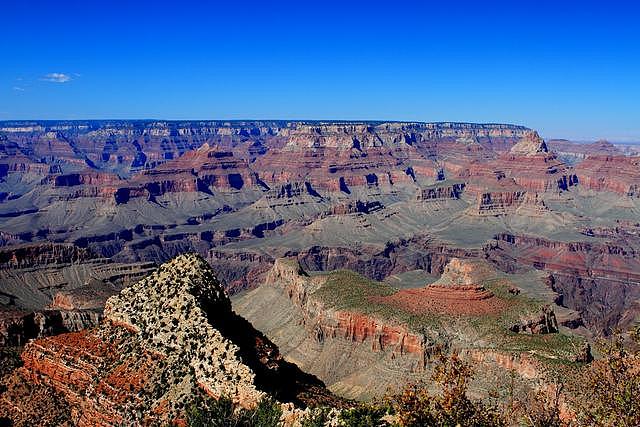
x: 163, y: 342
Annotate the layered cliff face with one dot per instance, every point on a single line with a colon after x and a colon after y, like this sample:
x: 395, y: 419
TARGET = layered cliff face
x: 380, y: 198
x: 363, y: 337
x: 599, y: 279
x: 327, y: 322
x: 618, y: 174
x: 24, y: 256
x: 48, y: 289
x: 338, y: 157
x: 530, y: 168
x: 203, y: 170
x: 164, y: 341
x: 131, y: 146
x: 442, y: 191
x: 575, y: 152
x: 347, y: 349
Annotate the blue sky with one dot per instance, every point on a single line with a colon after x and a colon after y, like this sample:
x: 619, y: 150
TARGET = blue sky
x: 568, y: 69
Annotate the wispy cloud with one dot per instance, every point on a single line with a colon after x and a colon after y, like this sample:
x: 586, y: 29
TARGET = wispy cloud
x: 57, y: 78
x: 18, y: 88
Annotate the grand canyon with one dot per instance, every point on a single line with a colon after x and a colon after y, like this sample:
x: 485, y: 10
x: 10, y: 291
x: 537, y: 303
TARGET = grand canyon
x: 147, y: 266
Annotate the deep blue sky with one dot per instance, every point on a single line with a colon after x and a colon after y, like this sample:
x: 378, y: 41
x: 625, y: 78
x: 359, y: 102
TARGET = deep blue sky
x: 569, y: 69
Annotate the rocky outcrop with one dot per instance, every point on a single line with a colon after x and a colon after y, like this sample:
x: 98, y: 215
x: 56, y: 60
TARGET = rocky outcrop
x: 530, y: 145
x: 498, y: 202
x: 162, y: 342
x: 441, y: 192
x: 458, y: 291
x: 17, y: 327
x: 541, y: 323
x: 362, y: 344
x: 528, y: 166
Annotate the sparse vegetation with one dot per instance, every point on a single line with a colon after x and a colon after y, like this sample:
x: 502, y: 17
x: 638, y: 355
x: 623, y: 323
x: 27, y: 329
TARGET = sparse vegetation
x: 222, y: 413
x: 317, y: 418
x: 609, y: 390
x: 363, y: 416
x: 348, y: 290
x: 417, y: 406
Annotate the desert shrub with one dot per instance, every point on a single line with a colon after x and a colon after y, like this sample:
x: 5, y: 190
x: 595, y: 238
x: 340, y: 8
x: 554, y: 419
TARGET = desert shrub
x: 266, y: 414
x: 609, y: 390
x: 542, y: 409
x: 211, y: 413
x: 417, y: 406
x: 222, y: 413
x: 363, y: 416
x: 317, y: 418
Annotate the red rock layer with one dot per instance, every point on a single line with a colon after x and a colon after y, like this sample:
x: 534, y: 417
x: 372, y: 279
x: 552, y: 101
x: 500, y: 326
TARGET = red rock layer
x: 360, y: 328
x: 325, y: 322
x: 594, y: 259
x: 454, y: 300
x: 618, y: 174
x: 204, y: 170
x: 71, y: 363
x: 537, y: 173
x: 336, y: 157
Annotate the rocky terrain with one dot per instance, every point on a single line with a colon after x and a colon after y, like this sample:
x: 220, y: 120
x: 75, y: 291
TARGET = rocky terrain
x: 244, y: 193
x: 162, y: 342
x: 88, y: 208
x: 363, y: 338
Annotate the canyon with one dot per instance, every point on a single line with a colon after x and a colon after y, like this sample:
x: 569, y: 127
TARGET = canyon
x: 334, y: 194
x: 360, y: 249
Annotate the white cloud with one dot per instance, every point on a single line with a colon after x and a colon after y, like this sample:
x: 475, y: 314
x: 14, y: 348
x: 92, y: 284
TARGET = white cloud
x: 57, y: 77
x: 18, y: 88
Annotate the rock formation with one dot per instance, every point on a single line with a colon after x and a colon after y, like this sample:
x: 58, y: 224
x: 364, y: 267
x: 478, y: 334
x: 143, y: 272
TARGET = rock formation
x: 530, y: 145
x: 581, y: 273
x: 541, y: 323
x: 163, y: 340
x: 459, y: 290
x: 380, y: 198
x: 363, y: 337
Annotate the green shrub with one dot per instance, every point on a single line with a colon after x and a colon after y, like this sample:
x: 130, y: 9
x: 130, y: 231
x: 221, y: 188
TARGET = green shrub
x: 317, y: 418
x: 363, y: 416
x: 222, y: 413
x: 211, y: 413
x: 266, y: 414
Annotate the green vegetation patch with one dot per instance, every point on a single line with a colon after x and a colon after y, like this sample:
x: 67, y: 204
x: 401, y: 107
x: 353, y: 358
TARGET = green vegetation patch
x: 349, y: 291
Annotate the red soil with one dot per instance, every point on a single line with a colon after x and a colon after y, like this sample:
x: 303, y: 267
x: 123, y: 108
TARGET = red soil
x: 469, y: 300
